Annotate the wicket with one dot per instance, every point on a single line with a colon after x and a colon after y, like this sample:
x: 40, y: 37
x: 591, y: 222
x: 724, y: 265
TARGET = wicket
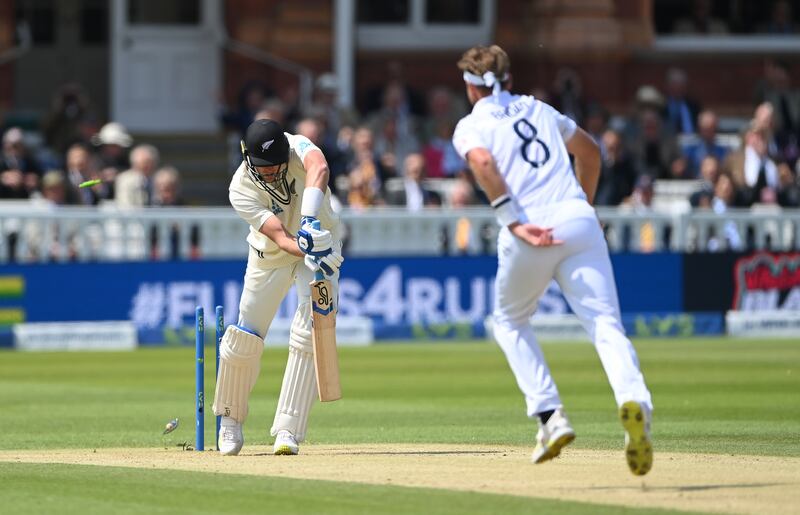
x: 199, y: 378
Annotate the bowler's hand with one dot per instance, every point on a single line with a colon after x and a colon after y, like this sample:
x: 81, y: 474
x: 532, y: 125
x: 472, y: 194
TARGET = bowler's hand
x: 534, y: 235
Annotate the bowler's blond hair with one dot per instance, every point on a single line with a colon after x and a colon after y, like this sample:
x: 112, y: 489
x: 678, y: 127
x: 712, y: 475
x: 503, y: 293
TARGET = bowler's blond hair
x: 481, y: 59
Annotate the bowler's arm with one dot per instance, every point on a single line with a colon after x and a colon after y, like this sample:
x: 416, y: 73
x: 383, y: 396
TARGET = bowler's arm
x: 482, y: 164
x: 587, y: 161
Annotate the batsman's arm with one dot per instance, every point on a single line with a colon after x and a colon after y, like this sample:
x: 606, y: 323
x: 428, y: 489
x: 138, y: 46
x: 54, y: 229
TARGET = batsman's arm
x: 274, y: 229
x: 317, y: 171
x: 587, y: 161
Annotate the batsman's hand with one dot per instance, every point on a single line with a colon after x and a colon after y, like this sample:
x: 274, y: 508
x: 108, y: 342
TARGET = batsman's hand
x: 311, y: 241
x: 329, y: 263
x: 534, y: 235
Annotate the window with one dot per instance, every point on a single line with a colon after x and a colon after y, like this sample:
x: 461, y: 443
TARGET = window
x: 94, y: 22
x: 370, y: 11
x: 41, y: 19
x: 430, y: 24
x: 722, y: 26
x: 158, y: 12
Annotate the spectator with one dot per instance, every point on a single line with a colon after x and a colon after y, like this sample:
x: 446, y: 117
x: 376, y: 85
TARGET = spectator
x: 362, y: 157
x: 54, y: 188
x: 788, y: 187
x: 414, y: 195
x: 567, y: 94
x: 596, y: 124
x: 764, y: 120
x: 79, y: 169
x: 781, y: 20
x: 785, y: 101
x: 617, y: 173
x: 461, y: 196
x: 326, y: 102
x: 70, y: 119
x: 12, y: 185
x: 680, y: 112
x: 311, y: 129
x: 753, y: 173
x: 167, y: 187
x: 395, y: 129
x: 361, y: 191
x: 112, y: 142
x: 442, y: 109
x: 413, y: 103
x: 16, y: 156
x: 641, y: 202
x: 167, y: 193
x: 710, y: 170
x: 724, y: 199
x: 250, y: 101
x: 655, y: 150
x: 41, y: 242
x: 441, y: 158
x: 701, y: 21
x: 705, y: 146
x: 134, y: 186
x: 273, y: 109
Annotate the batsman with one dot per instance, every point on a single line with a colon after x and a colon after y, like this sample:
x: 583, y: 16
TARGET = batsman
x: 280, y: 189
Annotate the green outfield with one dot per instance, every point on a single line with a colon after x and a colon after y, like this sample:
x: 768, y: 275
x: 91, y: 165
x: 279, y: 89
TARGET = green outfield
x: 712, y: 396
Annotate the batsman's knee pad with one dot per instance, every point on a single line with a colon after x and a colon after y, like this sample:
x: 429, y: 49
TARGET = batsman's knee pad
x: 299, y: 387
x: 239, y: 364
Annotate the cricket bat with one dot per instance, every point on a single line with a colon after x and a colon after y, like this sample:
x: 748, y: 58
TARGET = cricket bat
x: 323, y: 336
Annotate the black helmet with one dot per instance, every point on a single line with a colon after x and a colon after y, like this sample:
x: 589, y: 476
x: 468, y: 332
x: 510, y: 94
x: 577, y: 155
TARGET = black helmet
x: 265, y: 144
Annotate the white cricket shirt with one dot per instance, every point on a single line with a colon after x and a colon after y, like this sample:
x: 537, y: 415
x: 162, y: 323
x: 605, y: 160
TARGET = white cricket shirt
x: 527, y: 139
x: 256, y: 206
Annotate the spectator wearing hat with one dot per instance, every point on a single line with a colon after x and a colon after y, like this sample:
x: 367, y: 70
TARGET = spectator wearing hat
x: 112, y: 143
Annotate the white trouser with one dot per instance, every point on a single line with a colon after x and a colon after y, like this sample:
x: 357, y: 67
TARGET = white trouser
x: 263, y: 292
x: 582, y: 268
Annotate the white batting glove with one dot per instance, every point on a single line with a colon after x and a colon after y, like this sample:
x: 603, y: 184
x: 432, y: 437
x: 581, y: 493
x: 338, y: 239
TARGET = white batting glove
x: 314, y: 242
x: 329, y: 264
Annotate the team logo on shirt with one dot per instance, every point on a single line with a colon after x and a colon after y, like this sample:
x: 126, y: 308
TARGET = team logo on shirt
x: 276, y: 208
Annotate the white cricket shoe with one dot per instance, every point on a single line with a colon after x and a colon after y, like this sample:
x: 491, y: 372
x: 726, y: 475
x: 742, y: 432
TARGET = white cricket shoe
x: 635, y: 419
x: 231, y: 438
x: 285, y: 444
x: 552, y: 437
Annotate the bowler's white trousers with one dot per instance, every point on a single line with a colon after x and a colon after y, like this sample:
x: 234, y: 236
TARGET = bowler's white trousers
x: 582, y: 268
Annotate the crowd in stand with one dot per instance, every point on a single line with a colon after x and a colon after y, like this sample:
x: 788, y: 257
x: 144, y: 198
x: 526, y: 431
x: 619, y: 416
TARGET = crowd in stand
x: 73, y: 150
x: 387, y: 153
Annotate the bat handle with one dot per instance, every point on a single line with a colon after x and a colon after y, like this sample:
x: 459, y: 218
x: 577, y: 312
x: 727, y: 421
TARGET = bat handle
x: 318, y: 274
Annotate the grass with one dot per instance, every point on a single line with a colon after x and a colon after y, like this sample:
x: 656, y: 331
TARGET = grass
x: 711, y: 395
x: 88, y: 489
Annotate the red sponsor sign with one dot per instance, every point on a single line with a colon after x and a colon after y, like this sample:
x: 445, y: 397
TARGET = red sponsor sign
x: 767, y: 281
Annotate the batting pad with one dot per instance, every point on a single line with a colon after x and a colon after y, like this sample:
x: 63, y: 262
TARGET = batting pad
x: 299, y: 387
x: 239, y: 364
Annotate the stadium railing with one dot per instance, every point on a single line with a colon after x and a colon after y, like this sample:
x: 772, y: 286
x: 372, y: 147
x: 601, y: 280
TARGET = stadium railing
x: 32, y: 233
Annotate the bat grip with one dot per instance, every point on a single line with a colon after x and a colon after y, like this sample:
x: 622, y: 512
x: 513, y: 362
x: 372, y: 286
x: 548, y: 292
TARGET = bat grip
x: 318, y: 274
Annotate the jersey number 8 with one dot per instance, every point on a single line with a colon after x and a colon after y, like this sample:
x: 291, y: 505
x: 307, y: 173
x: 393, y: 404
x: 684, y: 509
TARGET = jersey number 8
x: 527, y: 133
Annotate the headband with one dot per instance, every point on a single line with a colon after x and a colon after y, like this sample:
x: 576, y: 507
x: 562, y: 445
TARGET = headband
x: 488, y: 80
